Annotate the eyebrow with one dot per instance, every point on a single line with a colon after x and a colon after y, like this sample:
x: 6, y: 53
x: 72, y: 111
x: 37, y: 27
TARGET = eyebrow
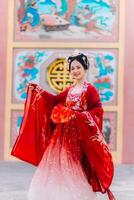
x: 76, y: 66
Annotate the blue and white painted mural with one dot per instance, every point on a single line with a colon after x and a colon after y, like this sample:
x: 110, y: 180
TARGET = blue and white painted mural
x: 79, y: 20
x: 103, y: 71
x: 29, y: 67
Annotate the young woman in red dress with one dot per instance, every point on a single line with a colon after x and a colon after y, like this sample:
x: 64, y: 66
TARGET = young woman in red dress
x: 62, y: 135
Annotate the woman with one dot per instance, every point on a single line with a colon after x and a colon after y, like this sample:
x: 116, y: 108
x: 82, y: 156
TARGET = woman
x: 62, y: 134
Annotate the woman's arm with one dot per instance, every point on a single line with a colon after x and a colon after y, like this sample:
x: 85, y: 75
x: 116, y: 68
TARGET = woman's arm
x: 51, y: 98
x: 94, y: 114
x: 96, y: 111
x: 89, y: 125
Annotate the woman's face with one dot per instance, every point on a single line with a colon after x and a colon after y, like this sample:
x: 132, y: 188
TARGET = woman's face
x: 77, y: 71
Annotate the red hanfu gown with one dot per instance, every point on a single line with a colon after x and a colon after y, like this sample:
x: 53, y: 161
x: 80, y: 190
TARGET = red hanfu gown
x: 62, y: 135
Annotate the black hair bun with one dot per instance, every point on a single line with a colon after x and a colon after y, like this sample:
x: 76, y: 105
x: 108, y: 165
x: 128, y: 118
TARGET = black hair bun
x: 81, y: 58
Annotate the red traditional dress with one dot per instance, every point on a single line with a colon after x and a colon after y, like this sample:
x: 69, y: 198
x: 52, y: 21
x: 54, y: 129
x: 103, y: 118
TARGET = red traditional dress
x: 62, y: 135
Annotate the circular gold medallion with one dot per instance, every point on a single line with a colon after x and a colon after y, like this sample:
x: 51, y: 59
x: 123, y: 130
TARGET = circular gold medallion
x: 58, y: 75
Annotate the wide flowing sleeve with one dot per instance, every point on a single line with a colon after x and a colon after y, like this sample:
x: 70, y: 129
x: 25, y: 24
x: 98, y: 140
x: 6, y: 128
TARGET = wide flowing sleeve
x: 36, y: 127
x: 98, y: 155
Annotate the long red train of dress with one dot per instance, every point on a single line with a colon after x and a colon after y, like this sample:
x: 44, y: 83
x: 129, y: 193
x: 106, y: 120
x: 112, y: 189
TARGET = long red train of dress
x: 62, y: 135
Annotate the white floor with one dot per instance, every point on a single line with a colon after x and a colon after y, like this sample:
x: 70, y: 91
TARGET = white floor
x: 15, y: 178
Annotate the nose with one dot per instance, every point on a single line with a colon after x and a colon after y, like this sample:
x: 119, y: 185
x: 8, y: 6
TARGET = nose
x: 75, y: 69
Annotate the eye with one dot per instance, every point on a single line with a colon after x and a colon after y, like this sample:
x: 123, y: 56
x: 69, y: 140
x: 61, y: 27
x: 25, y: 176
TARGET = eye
x: 72, y: 68
x: 78, y: 67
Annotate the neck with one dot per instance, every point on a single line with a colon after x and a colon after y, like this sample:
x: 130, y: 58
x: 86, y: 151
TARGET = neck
x: 80, y: 82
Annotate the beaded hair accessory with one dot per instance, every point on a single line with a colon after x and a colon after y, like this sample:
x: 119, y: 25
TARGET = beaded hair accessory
x: 76, y: 54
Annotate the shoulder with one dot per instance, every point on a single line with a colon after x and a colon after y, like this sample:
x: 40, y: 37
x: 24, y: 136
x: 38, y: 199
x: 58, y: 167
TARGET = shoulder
x: 91, y: 87
x: 62, y: 95
x: 92, y: 91
x: 65, y: 90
